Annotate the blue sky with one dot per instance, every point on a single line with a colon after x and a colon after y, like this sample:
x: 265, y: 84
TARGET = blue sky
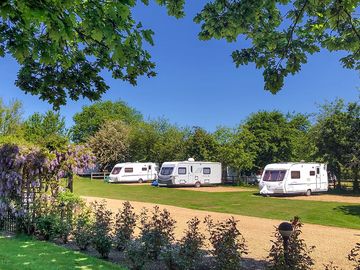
x: 197, y: 83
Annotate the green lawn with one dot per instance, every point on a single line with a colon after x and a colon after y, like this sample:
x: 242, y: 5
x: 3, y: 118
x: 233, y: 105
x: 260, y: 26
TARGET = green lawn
x: 24, y: 253
x: 243, y: 203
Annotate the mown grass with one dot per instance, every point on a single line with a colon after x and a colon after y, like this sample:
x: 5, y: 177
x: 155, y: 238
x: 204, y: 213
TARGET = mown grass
x: 24, y: 253
x: 243, y: 203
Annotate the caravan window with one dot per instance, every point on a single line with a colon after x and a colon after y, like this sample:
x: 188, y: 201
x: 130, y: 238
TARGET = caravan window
x: 144, y: 169
x: 295, y: 174
x: 312, y: 173
x: 116, y: 170
x: 274, y: 175
x: 182, y: 170
x: 129, y: 170
x: 167, y: 170
x: 207, y: 171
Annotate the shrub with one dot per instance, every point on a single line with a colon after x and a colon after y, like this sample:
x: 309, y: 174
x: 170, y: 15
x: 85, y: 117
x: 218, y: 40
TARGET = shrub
x: 125, y: 223
x: 190, y: 252
x: 135, y: 250
x: 156, y: 231
x: 83, y: 230
x: 227, y: 242
x: 298, y: 252
x: 101, y: 229
x: 44, y: 226
x: 331, y: 266
x: 354, y: 256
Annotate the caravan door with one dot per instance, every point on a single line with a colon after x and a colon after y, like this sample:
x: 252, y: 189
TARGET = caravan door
x: 318, y: 177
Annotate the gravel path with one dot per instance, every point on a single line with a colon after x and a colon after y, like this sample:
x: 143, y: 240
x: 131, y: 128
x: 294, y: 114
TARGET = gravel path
x: 331, y: 243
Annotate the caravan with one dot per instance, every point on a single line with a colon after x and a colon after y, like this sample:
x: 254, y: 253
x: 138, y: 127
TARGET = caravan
x: 294, y: 178
x: 133, y: 172
x: 189, y: 173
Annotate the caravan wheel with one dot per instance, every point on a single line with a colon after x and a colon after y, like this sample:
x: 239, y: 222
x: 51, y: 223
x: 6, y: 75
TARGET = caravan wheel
x: 308, y: 192
x: 140, y: 180
x: 197, y: 184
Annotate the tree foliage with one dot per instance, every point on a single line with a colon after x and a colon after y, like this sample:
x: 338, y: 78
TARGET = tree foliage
x: 274, y: 137
x: 337, y: 137
x: 10, y: 117
x: 63, y: 46
x: 46, y: 130
x: 111, y: 144
x: 201, y: 145
x: 284, y: 33
x: 93, y: 117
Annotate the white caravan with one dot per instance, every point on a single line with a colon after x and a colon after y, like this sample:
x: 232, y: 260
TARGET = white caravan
x: 189, y: 173
x: 294, y: 178
x: 133, y: 172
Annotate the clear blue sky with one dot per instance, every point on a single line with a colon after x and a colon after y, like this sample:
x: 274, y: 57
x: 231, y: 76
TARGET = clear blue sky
x: 197, y: 83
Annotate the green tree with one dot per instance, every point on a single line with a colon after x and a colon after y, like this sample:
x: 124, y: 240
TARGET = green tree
x: 63, y: 46
x: 337, y: 138
x: 274, y: 137
x: 235, y: 148
x: 92, y: 117
x: 110, y: 144
x: 47, y: 130
x: 284, y: 33
x: 157, y: 141
x: 10, y: 118
x: 201, y: 145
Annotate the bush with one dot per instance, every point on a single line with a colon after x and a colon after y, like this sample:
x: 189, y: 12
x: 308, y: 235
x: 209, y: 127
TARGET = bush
x: 190, y: 252
x: 354, y: 256
x: 135, y: 251
x: 44, y: 226
x: 125, y: 223
x: 298, y: 252
x: 156, y: 231
x: 83, y: 230
x: 101, y: 229
x: 331, y: 266
x: 227, y: 242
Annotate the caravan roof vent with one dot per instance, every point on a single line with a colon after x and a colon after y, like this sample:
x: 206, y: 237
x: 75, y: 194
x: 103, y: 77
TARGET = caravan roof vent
x: 191, y: 159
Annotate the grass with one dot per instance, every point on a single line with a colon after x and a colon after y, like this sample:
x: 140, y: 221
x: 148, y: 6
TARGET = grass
x: 247, y: 203
x: 24, y: 253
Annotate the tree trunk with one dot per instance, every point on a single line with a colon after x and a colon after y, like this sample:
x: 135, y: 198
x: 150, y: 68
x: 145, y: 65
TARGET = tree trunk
x: 356, y: 180
x: 70, y: 182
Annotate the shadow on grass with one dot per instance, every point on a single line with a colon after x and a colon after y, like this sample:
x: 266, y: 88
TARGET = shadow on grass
x: 22, y: 251
x: 353, y: 210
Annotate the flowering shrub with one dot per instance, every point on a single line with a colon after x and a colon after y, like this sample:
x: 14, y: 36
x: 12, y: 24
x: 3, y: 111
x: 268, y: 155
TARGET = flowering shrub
x: 125, y: 223
x: 30, y: 179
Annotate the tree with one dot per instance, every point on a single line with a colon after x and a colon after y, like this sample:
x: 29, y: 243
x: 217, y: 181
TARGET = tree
x: 235, y: 148
x: 283, y: 33
x: 273, y: 136
x: 10, y: 118
x: 63, y: 46
x: 337, y: 138
x: 47, y: 130
x: 157, y: 141
x: 92, y: 117
x: 201, y: 145
x: 110, y: 144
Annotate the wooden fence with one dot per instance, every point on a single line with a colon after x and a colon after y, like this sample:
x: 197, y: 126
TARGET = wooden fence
x: 99, y: 175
